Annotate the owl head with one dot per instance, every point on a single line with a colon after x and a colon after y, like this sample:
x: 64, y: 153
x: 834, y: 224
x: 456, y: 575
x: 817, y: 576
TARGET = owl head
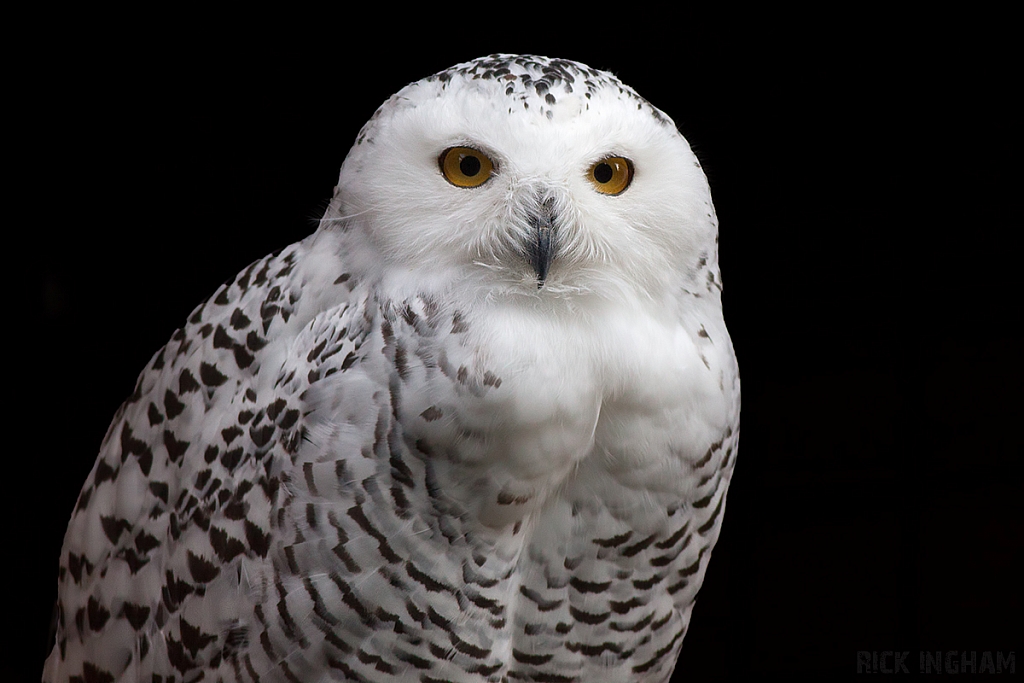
x: 526, y: 176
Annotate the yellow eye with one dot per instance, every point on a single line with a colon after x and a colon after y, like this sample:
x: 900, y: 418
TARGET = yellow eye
x: 465, y: 166
x: 612, y: 175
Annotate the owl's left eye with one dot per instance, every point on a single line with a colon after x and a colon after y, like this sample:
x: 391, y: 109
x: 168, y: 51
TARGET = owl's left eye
x: 612, y: 175
x: 465, y: 166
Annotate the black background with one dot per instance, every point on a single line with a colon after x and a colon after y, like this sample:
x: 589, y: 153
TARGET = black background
x: 867, y: 185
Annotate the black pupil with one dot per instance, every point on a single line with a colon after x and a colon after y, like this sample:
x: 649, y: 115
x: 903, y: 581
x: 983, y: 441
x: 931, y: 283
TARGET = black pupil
x: 603, y: 173
x: 469, y: 166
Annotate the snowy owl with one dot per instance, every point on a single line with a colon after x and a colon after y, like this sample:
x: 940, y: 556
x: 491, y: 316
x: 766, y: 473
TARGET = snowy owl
x: 478, y: 427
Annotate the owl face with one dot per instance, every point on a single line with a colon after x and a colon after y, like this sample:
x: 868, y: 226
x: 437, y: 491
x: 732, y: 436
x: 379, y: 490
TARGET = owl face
x: 524, y: 179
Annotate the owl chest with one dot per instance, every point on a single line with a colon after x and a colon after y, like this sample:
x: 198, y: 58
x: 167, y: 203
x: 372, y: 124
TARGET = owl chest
x: 513, y: 417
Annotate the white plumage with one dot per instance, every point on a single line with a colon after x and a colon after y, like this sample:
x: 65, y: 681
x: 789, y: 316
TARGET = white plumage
x: 478, y: 427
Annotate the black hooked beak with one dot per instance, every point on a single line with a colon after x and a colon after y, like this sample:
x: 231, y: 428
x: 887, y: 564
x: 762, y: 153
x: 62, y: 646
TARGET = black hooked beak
x: 540, y: 249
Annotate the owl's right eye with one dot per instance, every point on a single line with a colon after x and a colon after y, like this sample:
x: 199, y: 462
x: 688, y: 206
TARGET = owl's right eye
x: 465, y: 166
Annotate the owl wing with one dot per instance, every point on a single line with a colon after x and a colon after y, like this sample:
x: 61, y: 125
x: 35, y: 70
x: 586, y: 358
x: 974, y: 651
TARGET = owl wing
x: 178, y: 505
